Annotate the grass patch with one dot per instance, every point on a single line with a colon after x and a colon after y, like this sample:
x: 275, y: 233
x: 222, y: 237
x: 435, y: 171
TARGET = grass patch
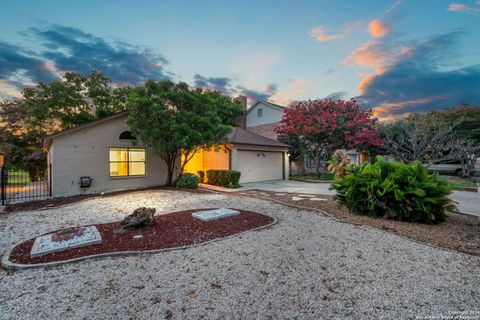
x: 459, y: 182
x: 325, y: 176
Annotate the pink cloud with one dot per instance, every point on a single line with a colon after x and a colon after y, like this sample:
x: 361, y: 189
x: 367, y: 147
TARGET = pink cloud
x: 323, y: 34
x: 378, y: 28
x: 460, y: 7
x: 298, y: 85
x: 372, y: 54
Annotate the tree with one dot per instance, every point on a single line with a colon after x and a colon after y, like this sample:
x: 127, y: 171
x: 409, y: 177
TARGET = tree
x: 177, y: 121
x: 73, y: 100
x: 464, y: 119
x: 429, y: 139
x: 323, y: 126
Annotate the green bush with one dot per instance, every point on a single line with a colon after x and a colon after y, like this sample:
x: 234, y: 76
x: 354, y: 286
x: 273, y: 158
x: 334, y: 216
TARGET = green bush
x: 188, y: 181
x: 224, y: 178
x: 395, y: 190
x: 201, y: 175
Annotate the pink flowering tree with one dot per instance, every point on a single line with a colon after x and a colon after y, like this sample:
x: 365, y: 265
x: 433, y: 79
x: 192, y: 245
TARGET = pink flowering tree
x: 323, y: 126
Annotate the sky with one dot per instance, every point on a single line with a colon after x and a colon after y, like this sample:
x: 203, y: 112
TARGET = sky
x: 395, y: 56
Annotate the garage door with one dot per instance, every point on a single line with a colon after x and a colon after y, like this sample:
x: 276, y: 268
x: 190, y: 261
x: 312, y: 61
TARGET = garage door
x: 260, y: 165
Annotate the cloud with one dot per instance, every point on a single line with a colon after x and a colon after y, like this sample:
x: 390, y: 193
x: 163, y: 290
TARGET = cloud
x: 337, y: 95
x: 378, y: 28
x: 460, y: 7
x: 323, y: 33
x: 393, y: 6
x: 419, y: 79
x: 71, y: 49
x: 18, y: 63
x: 214, y: 83
x: 298, y: 86
x: 374, y: 54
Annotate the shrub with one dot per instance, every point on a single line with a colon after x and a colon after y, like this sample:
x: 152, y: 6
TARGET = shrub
x: 201, y: 175
x: 224, y: 178
x: 395, y: 190
x: 340, y: 163
x: 188, y: 181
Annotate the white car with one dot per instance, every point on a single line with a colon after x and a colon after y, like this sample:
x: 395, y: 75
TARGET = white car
x: 452, y: 168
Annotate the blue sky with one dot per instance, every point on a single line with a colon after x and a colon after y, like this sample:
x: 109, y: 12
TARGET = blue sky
x: 398, y: 56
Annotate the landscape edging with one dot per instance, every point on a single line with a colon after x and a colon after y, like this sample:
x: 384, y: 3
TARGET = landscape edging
x: 6, y: 263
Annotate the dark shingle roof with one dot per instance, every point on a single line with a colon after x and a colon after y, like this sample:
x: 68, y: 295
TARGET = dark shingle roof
x: 242, y: 136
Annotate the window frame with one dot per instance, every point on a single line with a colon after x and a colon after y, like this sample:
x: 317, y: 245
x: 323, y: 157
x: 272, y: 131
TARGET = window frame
x: 260, y: 113
x: 127, y: 162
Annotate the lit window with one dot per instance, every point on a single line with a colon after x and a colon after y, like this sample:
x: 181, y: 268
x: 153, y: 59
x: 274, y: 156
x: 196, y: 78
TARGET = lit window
x: 127, y: 162
x: 259, y: 112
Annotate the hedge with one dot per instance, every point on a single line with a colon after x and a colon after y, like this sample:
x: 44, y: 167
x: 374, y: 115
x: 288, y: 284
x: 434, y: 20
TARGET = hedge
x: 224, y: 178
x: 188, y: 181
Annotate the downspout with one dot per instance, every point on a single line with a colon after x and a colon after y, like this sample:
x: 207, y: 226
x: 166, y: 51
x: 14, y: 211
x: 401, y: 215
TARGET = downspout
x: 229, y: 157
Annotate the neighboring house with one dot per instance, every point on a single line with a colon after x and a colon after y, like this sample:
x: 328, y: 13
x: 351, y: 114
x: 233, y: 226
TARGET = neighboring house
x: 106, y: 152
x: 2, y: 159
x: 262, y: 118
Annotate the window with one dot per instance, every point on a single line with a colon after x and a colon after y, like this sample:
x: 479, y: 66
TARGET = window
x: 259, y: 112
x: 127, y: 135
x: 126, y: 162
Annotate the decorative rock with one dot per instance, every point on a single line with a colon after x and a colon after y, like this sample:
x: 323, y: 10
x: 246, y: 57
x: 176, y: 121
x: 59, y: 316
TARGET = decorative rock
x: 279, y: 194
x: 297, y: 198
x: 137, y: 236
x: 306, y: 195
x: 141, y: 217
x: 210, y: 215
x: 45, y: 244
x: 318, y: 199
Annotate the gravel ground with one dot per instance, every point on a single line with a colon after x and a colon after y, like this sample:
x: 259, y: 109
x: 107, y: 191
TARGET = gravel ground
x: 305, y: 267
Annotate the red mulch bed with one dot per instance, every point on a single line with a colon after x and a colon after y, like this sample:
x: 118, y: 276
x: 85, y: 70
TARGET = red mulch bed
x: 170, y: 231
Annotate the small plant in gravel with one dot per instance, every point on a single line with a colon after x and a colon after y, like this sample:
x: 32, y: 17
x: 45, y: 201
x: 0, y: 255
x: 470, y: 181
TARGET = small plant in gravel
x: 188, y: 181
x: 395, y: 190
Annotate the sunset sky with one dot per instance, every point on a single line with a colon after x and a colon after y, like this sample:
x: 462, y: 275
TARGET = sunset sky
x: 397, y: 56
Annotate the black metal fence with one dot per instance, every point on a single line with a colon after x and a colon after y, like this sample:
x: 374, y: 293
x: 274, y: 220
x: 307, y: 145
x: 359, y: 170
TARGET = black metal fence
x: 25, y: 184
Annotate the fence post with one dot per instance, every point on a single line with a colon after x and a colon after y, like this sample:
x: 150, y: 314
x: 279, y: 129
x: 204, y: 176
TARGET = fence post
x: 49, y: 179
x: 3, y: 184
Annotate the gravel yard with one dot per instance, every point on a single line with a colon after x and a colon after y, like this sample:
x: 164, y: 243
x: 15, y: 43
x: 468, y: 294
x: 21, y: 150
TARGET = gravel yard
x: 306, y: 266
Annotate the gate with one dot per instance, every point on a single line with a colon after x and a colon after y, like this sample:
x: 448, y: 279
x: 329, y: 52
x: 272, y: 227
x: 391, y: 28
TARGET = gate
x: 25, y: 184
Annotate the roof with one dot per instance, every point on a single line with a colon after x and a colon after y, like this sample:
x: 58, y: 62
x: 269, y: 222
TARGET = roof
x: 238, y: 135
x: 274, y: 105
x: 242, y: 136
x: 48, y: 139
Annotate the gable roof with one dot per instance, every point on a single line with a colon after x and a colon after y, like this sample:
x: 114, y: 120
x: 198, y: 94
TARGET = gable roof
x: 270, y: 104
x: 242, y: 136
x: 48, y: 139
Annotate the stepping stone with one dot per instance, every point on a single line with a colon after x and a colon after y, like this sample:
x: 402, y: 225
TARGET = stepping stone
x: 297, y: 198
x: 318, y: 199
x: 306, y: 195
x: 279, y: 194
x: 215, y: 214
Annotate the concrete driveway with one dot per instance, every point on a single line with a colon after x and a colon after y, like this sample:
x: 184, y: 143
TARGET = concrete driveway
x: 467, y: 202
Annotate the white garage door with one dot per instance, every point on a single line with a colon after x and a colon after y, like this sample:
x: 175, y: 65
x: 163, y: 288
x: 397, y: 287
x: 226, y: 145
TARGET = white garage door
x: 260, y: 165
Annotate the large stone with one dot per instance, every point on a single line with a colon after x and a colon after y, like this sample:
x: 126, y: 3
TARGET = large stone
x: 141, y: 217
x: 215, y: 214
x: 64, y: 240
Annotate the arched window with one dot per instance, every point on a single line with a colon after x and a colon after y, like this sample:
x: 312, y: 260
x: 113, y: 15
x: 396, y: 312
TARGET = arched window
x: 127, y: 135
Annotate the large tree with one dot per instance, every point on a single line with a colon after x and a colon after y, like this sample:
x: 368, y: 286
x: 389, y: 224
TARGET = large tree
x: 51, y: 107
x: 430, y: 139
x: 323, y: 126
x: 177, y: 121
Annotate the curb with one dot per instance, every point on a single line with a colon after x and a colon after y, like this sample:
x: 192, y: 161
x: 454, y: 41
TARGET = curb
x: 7, y: 264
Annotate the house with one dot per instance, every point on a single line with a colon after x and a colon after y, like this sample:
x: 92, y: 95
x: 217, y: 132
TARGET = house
x: 104, y: 156
x: 262, y: 118
x: 2, y: 159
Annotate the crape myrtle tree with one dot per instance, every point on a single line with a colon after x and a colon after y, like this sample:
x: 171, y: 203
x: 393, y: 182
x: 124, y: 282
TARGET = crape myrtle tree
x: 176, y: 121
x: 323, y: 126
